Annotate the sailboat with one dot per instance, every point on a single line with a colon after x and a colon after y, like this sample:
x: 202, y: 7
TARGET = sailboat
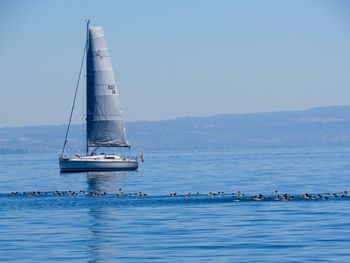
x: 104, y: 120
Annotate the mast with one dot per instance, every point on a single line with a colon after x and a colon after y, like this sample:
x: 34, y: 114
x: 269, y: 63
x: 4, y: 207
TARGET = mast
x: 87, y: 47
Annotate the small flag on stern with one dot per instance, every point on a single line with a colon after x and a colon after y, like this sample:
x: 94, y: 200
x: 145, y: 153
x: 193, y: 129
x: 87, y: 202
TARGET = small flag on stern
x: 142, y: 158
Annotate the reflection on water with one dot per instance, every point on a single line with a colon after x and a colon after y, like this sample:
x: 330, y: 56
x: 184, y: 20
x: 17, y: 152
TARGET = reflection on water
x: 110, y: 182
x: 97, y: 216
x: 105, y: 181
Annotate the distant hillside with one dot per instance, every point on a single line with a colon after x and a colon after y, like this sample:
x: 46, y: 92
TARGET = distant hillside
x: 323, y: 126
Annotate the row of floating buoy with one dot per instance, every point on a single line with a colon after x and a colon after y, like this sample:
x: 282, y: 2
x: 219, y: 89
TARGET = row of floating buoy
x: 236, y: 196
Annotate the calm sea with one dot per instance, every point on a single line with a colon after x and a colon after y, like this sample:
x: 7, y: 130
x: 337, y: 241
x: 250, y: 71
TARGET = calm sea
x: 182, y: 229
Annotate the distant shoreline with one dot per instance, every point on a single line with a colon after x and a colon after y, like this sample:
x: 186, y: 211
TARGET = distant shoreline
x: 317, y: 127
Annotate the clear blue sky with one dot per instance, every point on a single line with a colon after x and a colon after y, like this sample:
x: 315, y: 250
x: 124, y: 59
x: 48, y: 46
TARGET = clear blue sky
x: 176, y: 58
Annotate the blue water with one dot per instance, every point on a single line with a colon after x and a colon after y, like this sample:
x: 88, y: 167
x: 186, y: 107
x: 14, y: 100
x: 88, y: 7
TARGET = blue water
x: 156, y: 228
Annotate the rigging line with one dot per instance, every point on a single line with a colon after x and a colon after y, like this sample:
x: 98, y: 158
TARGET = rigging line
x: 75, y: 96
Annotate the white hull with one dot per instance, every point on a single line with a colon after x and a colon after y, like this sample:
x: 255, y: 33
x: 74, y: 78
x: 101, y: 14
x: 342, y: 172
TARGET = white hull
x: 98, y: 163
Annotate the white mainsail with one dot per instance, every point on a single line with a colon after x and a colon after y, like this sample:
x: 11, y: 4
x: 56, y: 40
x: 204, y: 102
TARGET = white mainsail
x: 105, y: 125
